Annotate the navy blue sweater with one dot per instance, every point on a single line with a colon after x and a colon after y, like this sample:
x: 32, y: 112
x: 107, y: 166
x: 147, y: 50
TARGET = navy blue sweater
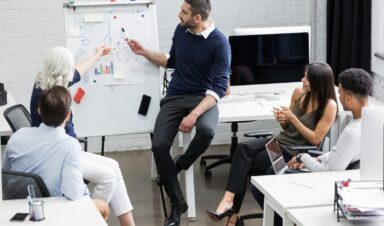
x: 200, y: 64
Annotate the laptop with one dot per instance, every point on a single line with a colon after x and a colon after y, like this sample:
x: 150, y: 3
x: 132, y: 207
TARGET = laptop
x: 276, y: 156
x: 278, y: 163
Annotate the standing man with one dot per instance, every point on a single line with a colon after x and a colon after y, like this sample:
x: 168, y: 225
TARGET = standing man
x: 200, y: 55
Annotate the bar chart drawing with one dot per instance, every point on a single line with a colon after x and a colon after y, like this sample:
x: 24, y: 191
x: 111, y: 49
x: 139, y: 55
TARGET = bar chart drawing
x: 104, y: 69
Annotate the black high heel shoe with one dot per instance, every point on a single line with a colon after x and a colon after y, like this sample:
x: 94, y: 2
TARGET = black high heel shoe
x: 215, y: 216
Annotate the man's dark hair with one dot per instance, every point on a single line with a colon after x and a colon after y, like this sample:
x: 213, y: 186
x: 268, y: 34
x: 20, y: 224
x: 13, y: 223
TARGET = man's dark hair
x: 201, y: 7
x: 54, y: 105
x: 356, y: 81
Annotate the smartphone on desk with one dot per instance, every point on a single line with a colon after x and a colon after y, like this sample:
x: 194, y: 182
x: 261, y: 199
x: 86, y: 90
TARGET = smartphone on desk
x: 19, y: 217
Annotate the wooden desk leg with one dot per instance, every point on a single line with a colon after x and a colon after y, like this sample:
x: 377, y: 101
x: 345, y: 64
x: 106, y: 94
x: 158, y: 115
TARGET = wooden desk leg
x: 189, y: 182
x: 269, y: 214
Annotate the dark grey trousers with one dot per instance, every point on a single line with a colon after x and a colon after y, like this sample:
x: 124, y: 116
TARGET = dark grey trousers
x: 172, y: 111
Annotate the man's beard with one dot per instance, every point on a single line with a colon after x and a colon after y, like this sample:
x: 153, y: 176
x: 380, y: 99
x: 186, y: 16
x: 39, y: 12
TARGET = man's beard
x: 189, y: 24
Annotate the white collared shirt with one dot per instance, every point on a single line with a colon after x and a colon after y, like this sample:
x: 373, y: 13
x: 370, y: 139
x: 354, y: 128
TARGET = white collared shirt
x: 206, y: 32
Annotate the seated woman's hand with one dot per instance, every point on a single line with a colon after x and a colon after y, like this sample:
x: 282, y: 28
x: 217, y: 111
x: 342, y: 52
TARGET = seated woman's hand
x: 277, y: 113
x: 287, y: 114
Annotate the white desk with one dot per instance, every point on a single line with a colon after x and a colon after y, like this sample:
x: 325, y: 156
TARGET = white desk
x: 283, y: 192
x: 58, y: 212
x: 323, y: 215
x: 255, y: 102
x: 5, y: 130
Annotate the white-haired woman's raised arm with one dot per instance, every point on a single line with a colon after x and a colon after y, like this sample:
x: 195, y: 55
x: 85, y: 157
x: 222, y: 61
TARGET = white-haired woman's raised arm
x: 87, y: 64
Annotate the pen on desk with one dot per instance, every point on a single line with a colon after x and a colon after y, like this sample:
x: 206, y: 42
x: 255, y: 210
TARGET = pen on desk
x: 302, y: 185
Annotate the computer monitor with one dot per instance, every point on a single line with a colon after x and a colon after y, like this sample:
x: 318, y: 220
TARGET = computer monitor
x: 269, y: 55
x: 371, y: 156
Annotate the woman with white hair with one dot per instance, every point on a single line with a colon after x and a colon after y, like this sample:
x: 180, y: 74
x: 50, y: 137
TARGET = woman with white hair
x: 59, y: 69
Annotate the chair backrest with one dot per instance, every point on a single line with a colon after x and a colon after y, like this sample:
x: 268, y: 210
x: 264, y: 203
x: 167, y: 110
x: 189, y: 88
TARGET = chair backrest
x: 353, y: 165
x: 15, y: 185
x: 17, y: 117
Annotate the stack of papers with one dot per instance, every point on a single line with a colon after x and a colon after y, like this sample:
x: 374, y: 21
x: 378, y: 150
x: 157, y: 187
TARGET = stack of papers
x: 361, y: 200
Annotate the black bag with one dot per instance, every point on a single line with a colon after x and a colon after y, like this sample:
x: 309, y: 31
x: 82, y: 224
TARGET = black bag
x: 3, y: 95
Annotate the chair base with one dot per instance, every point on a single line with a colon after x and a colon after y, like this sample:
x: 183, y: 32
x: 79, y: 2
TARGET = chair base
x: 241, y: 220
x: 223, y: 159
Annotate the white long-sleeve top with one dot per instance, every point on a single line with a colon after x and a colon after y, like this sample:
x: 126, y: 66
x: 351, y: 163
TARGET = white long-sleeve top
x: 346, y: 151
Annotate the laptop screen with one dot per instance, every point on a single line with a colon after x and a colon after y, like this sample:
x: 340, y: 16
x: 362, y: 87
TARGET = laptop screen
x: 275, y: 155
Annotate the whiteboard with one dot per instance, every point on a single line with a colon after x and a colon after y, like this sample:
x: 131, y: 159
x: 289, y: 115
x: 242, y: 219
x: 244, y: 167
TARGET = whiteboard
x: 115, y: 86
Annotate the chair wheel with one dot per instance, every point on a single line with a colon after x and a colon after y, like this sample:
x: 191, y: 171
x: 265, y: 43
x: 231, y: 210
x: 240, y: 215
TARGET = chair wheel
x: 208, y: 174
x: 203, y: 163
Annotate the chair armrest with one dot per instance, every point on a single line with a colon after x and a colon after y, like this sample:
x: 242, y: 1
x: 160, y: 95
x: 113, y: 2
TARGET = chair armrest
x: 258, y: 134
x: 315, y: 153
x: 301, y: 148
x: 294, y: 171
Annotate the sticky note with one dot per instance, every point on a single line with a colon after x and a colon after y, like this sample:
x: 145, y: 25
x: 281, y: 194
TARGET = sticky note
x: 74, y: 32
x: 93, y: 17
x: 119, y: 74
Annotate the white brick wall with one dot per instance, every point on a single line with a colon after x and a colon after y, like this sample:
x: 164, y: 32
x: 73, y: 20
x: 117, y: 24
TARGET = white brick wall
x: 30, y: 27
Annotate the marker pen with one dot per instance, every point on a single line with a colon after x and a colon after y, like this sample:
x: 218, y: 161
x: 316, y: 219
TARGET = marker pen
x: 125, y: 36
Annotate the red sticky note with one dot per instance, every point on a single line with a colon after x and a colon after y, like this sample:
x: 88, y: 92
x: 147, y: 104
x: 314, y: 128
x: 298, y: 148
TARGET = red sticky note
x: 79, y: 95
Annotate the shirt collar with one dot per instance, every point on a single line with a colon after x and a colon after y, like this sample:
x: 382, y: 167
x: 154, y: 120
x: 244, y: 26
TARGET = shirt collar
x: 206, y: 32
x: 59, y: 128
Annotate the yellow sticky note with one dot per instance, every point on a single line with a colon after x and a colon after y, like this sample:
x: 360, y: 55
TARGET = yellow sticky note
x: 119, y: 74
x: 93, y: 17
x: 74, y: 32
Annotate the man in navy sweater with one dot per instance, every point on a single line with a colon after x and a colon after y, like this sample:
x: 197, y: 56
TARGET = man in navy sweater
x: 200, y: 55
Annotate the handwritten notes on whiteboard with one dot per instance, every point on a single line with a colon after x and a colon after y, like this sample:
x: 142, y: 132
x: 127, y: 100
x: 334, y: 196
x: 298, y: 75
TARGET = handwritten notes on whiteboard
x: 89, y: 30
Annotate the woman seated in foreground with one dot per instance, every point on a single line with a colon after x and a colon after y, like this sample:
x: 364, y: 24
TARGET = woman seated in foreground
x: 311, y: 113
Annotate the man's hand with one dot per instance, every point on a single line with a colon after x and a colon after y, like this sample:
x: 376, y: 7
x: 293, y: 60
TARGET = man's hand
x: 294, y: 164
x: 188, y: 123
x: 136, y: 47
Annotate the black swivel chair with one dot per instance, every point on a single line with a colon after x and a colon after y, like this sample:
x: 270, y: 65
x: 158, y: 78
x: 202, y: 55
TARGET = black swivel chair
x: 15, y: 185
x: 18, y: 117
x: 221, y: 159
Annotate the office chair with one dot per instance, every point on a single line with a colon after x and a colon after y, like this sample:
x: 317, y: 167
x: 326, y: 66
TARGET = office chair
x: 18, y: 117
x: 15, y: 185
x: 221, y: 159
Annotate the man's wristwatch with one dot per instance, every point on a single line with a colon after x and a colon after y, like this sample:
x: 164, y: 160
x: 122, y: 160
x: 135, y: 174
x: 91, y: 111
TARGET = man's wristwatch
x: 298, y: 157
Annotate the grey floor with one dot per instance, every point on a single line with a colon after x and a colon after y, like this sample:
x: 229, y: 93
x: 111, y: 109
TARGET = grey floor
x: 145, y: 195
